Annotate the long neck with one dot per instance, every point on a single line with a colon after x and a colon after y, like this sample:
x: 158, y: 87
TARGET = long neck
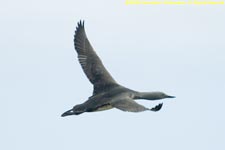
x: 147, y: 95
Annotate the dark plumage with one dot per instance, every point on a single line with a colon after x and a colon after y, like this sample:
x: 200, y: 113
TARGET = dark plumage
x: 107, y: 92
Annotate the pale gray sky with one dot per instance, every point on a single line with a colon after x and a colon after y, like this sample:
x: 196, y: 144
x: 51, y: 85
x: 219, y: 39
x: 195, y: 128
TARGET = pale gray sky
x: 176, y: 49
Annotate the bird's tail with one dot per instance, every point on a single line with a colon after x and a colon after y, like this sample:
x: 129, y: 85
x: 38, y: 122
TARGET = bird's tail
x: 71, y: 112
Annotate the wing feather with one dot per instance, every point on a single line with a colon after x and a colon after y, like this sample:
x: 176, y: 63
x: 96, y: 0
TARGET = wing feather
x: 131, y: 106
x: 90, y: 62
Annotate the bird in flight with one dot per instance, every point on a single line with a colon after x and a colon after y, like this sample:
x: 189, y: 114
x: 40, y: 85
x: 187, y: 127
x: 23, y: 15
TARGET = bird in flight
x: 107, y: 93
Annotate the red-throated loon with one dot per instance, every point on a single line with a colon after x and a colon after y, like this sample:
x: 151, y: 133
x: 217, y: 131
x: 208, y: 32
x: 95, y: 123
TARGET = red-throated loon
x: 107, y: 92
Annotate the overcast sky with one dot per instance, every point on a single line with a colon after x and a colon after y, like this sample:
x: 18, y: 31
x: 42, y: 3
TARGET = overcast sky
x: 179, y: 50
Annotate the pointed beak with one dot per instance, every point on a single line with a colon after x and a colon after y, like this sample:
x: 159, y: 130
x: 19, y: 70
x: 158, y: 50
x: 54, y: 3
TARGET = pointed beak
x: 171, y: 96
x: 67, y: 113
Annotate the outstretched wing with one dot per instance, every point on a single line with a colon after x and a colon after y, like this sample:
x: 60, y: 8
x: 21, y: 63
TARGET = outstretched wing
x: 90, y: 62
x: 131, y: 106
x: 128, y: 105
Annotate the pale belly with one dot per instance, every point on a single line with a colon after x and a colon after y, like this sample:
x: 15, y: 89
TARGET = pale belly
x: 104, y: 107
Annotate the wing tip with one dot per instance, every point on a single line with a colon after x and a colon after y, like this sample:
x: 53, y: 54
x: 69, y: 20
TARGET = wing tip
x: 157, y: 107
x: 80, y: 24
x: 79, y: 29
